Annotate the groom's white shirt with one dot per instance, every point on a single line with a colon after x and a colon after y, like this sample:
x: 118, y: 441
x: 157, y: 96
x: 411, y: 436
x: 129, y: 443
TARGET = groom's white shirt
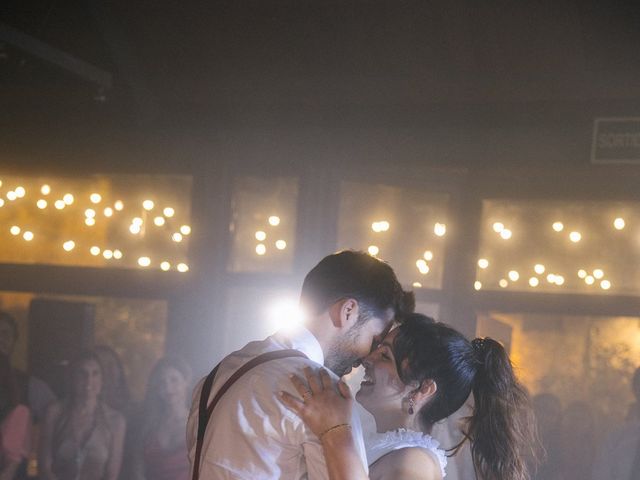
x: 251, y: 435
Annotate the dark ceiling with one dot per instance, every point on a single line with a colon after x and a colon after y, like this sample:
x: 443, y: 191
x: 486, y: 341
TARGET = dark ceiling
x: 233, y: 58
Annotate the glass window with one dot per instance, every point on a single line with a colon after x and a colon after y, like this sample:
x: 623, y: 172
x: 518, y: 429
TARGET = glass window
x: 263, y: 224
x: 577, y: 247
x: 134, y: 328
x: 406, y: 227
x: 115, y: 221
x: 589, y: 359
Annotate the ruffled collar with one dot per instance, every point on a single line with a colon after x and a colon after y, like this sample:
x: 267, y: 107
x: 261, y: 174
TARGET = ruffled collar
x: 379, y: 444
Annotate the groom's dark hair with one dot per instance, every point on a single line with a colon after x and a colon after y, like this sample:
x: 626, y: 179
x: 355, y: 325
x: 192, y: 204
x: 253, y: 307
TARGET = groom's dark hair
x: 358, y: 275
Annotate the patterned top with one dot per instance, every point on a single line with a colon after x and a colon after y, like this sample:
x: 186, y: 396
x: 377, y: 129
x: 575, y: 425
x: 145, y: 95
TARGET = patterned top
x: 379, y: 444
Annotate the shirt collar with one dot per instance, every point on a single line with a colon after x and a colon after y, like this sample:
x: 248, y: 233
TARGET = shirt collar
x: 300, y: 338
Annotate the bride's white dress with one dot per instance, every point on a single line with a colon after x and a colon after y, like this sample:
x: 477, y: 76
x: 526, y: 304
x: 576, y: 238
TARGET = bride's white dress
x: 379, y: 444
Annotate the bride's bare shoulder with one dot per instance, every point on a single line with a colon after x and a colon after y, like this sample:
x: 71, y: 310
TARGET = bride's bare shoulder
x: 406, y: 464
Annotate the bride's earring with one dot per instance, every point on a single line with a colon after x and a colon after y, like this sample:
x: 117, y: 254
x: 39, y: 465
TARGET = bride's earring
x: 411, y: 405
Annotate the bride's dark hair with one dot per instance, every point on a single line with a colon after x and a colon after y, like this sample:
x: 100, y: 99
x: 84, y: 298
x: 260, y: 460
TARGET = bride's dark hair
x: 501, y: 428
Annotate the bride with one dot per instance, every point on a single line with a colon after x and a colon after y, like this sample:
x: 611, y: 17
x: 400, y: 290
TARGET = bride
x: 421, y: 373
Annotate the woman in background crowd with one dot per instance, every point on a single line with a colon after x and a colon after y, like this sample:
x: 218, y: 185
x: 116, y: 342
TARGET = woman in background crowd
x: 82, y: 437
x: 15, y: 423
x: 158, y: 445
x: 115, y: 391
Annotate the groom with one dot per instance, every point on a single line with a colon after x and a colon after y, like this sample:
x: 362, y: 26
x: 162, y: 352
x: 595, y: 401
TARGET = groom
x: 350, y: 299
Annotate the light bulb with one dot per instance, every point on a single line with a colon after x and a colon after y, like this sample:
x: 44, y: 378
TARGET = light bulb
x: 28, y: 236
x: 539, y: 268
x: 108, y: 254
x: 440, y: 229
x: 477, y: 285
x: 45, y: 189
x: 619, y: 223
x: 185, y: 229
x: 558, y: 226
x: 260, y: 236
x: 11, y: 195
x: 506, y: 234
x: 513, y: 276
x: 598, y: 273
x: 373, y: 250
x: 144, y: 261
x: 498, y: 227
x: 15, y: 230
x: 183, y: 267
x: 68, y: 199
x: 281, y: 244
x: 108, y: 212
x: 534, y: 282
x: 117, y: 254
x: 605, y: 284
x: 274, y: 220
x: 136, y: 221
x: 118, y: 205
x: 582, y: 273
x: 416, y: 285
x: 95, y: 198
x: 20, y: 192
x: 148, y: 205
x: 158, y: 221
x: 483, y: 263
x: 90, y: 213
x: 134, y: 228
x: 169, y: 212
x: 589, y: 280
x: 69, y: 245
x: 503, y: 283
x: 176, y: 237
x: 165, y: 266
x: 261, y: 249
x: 423, y: 268
x: 575, y: 237
x: 95, y: 251
x: 41, y: 204
x: 428, y: 255
x: 90, y: 221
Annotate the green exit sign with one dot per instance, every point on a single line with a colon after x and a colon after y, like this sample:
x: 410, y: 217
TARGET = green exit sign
x: 616, y: 140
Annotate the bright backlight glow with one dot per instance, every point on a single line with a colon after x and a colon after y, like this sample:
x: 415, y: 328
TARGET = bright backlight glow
x: 284, y: 313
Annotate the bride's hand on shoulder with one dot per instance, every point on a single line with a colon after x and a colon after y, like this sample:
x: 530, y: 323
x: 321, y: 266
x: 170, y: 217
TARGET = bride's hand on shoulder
x: 323, y: 403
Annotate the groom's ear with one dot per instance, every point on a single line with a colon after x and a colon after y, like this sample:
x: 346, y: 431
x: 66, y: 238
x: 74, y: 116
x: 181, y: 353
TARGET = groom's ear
x: 344, y: 312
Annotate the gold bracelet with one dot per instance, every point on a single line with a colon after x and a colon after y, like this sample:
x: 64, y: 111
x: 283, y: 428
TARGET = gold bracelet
x: 335, y: 427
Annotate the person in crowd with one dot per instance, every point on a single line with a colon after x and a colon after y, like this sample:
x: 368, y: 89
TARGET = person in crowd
x: 115, y: 390
x: 578, y: 441
x: 82, y: 437
x: 37, y: 394
x: 350, y: 299
x: 15, y: 423
x: 421, y: 373
x: 159, y: 450
x: 548, y: 413
x: 619, y: 456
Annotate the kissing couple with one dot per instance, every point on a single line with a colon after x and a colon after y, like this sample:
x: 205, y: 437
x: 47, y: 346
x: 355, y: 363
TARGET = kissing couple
x: 278, y: 409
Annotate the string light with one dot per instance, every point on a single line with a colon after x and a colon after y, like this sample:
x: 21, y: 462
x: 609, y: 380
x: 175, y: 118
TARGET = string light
x: 416, y: 285
x: 148, y: 205
x: 534, y: 282
x: 281, y: 244
x: 20, y: 192
x: 498, y: 227
x: 274, y: 220
x: 477, y: 285
x: 261, y: 249
x: 90, y: 221
x: 108, y: 254
x: 176, y: 237
x: 41, y: 204
x: 605, y: 284
x: 68, y: 199
x: 15, y: 230
x: 558, y: 226
x: 1, y: 203
x: 118, y: 205
x: 185, y: 229
x: 45, y: 189
x: 165, y: 266
x: 261, y: 236
x: 69, y: 245
x: 483, y: 263
x: 169, y: 212
x: 503, y: 283
x: 440, y: 229
x: 28, y: 236
x: 559, y: 280
x: 117, y: 254
x: 95, y: 198
x: 136, y: 221
x: 381, y: 226
x: 551, y: 278
x: 582, y: 273
x: 589, y: 280
x: 11, y: 195
x: 373, y: 250
x: 428, y: 255
x: 159, y: 221
x: 183, y: 267
x: 506, y: 234
x: 539, y: 268
x: 134, y: 228
x: 598, y: 273
x: 144, y: 261
x: 90, y: 213
x: 575, y: 237
x: 108, y: 212
x: 423, y: 268
x: 619, y: 223
x: 513, y: 275
x: 95, y: 251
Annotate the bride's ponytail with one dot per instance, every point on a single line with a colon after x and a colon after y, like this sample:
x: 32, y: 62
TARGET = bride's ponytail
x: 502, y: 427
